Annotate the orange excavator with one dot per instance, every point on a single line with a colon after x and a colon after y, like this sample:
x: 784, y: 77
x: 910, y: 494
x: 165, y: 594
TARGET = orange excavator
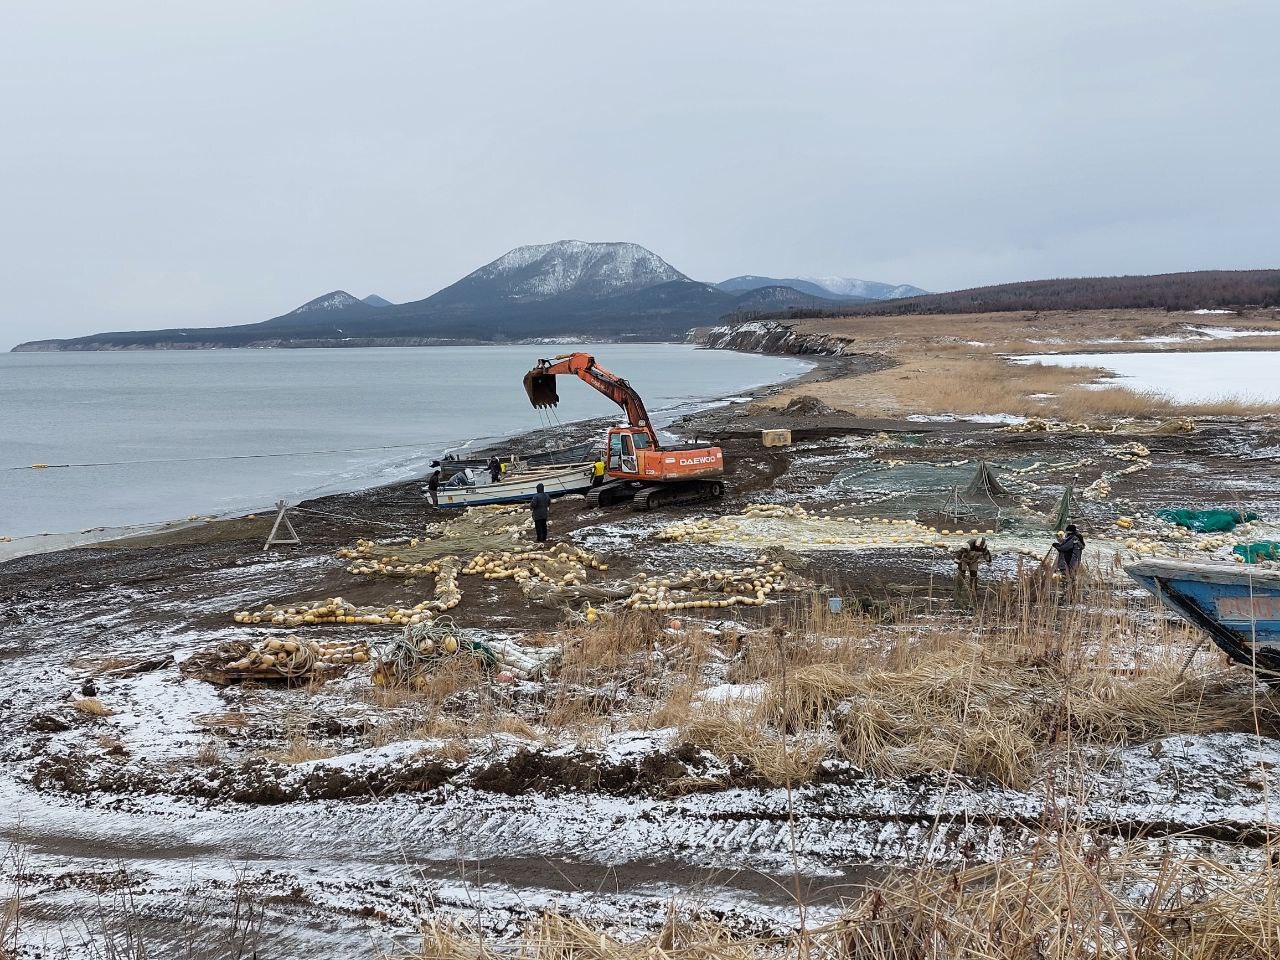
x: 639, y: 468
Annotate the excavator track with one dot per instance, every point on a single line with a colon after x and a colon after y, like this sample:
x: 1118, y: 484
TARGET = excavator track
x: 609, y: 493
x: 662, y: 495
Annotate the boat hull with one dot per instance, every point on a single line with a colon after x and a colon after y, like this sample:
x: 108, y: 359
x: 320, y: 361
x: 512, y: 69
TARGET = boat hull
x: 518, y: 489
x: 1238, y: 606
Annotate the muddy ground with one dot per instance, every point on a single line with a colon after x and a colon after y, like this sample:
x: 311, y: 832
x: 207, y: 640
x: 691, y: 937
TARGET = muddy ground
x: 172, y: 810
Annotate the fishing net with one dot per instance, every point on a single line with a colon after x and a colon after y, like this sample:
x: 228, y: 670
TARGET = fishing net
x: 472, y: 530
x: 411, y: 658
x: 1257, y: 551
x: 274, y: 659
x: 984, y: 484
x: 1207, y: 521
x: 698, y: 588
x: 553, y: 576
x: 1062, y: 516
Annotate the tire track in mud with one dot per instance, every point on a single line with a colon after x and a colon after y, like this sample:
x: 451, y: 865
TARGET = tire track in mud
x: 1175, y: 791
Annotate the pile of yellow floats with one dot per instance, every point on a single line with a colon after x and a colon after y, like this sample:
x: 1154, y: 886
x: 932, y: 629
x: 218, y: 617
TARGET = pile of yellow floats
x: 336, y: 610
x: 367, y: 562
x: 699, y: 589
x: 294, y: 657
x: 564, y: 564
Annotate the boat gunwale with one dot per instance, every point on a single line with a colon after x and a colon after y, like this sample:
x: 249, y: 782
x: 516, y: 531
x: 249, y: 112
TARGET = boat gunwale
x: 1221, y: 573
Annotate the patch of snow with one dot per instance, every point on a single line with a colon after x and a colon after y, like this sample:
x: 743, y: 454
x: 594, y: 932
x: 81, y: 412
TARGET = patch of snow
x: 1203, y: 311
x: 733, y: 693
x: 1229, y: 333
x: 1183, y: 377
x: 1004, y: 418
x: 338, y: 300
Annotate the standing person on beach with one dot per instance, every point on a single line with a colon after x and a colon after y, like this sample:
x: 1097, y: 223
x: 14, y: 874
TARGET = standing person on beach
x: 433, y: 484
x: 1070, y: 549
x: 540, y: 505
x: 495, y: 469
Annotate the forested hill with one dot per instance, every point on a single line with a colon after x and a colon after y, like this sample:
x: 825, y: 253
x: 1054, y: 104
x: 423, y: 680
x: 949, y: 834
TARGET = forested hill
x: 1170, y: 291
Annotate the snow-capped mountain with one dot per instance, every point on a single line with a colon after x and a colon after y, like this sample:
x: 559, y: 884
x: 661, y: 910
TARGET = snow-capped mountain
x: 752, y: 282
x: 334, y: 300
x: 564, y: 289
x: 868, y: 289
x: 545, y: 270
x: 844, y: 288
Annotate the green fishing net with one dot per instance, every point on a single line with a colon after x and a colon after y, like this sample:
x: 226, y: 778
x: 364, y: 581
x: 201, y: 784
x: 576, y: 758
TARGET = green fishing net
x: 1261, y: 550
x: 1207, y: 521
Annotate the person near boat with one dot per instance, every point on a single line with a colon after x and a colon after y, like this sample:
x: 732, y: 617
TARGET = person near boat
x: 495, y: 470
x: 1070, y: 547
x: 433, y: 484
x: 540, y: 507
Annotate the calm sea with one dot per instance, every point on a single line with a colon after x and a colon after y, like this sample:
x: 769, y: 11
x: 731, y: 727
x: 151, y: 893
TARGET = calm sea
x: 199, y: 408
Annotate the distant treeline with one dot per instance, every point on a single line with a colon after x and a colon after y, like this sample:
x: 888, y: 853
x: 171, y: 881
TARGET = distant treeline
x: 1168, y: 291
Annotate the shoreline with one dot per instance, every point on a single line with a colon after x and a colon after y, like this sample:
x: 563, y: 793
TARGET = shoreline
x: 169, y: 531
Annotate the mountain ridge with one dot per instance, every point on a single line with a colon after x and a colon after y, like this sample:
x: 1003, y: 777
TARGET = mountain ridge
x: 1187, y: 290
x: 614, y: 289
x: 840, y: 288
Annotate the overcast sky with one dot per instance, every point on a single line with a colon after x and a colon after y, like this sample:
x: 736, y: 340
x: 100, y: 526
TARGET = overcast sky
x: 182, y: 164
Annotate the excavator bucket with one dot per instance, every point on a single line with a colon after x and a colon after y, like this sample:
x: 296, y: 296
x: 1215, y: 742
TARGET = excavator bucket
x: 541, y: 388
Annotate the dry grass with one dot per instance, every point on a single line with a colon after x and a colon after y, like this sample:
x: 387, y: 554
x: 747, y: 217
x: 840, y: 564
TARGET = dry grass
x: 1000, y: 719
x: 91, y: 707
x: 1034, y: 677
x: 435, y: 725
x: 774, y: 756
x: 1000, y: 693
x: 952, y: 364
x: 949, y: 381
x: 1083, y: 404
x: 1071, y: 898
x: 235, y: 719
x: 801, y: 698
x: 996, y: 697
x: 209, y: 754
x: 299, y: 748
x: 600, y: 662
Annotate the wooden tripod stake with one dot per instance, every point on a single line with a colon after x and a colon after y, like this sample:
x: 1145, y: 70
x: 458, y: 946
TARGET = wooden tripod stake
x: 282, y: 516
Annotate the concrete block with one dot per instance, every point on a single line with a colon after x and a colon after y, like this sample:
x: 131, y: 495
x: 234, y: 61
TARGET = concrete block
x: 775, y: 438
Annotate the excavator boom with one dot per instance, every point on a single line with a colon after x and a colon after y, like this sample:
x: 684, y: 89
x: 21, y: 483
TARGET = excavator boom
x: 540, y: 385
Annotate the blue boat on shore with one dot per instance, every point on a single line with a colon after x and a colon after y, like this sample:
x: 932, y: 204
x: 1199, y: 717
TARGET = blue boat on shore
x: 1236, y: 604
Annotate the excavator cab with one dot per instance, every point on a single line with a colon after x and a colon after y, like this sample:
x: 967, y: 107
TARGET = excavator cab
x: 624, y: 451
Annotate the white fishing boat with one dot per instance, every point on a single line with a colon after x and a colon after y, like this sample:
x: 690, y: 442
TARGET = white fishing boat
x: 519, y: 487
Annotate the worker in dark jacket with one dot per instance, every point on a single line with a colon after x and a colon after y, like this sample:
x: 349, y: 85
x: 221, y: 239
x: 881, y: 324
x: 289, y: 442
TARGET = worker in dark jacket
x: 495, y: 469
x: 540, y: 505
x: 1070, y: 549
x: 433, y: 483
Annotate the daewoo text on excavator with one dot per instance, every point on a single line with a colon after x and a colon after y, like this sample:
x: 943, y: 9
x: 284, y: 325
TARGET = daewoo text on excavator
x: 639, y: 468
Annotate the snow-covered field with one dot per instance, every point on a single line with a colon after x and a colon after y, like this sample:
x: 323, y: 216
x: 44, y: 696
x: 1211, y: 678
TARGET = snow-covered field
x: 1185, y: 377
